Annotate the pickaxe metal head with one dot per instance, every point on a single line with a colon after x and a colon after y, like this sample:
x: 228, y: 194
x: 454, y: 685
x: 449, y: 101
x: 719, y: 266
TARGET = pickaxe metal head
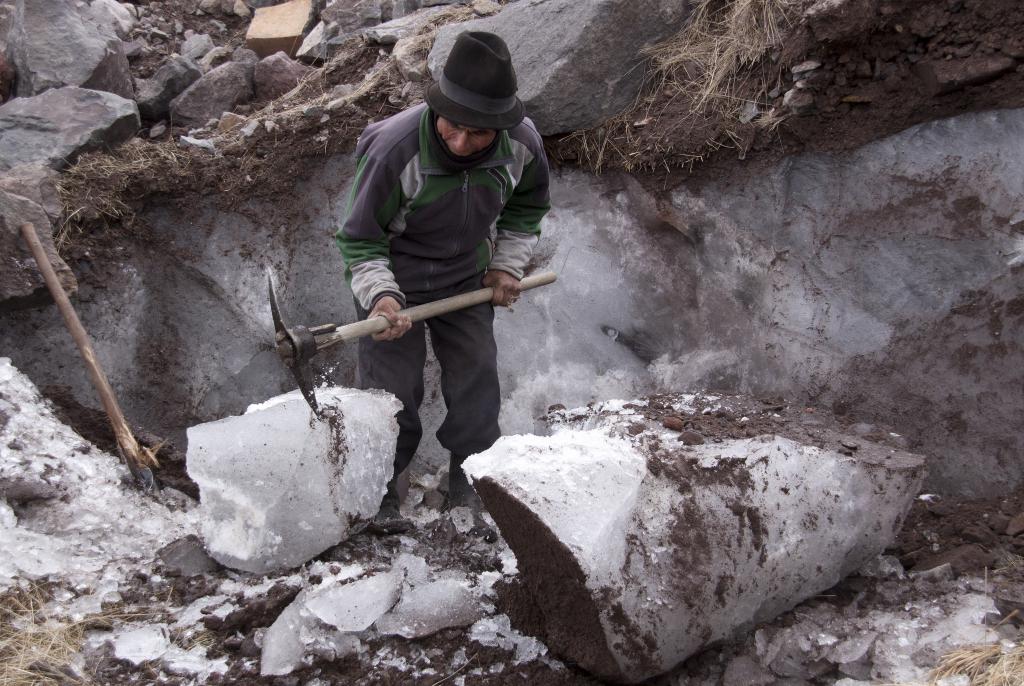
x: 296, y: 345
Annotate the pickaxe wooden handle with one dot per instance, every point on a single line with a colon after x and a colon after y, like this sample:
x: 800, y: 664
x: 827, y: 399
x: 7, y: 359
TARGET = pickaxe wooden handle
x: 297, y: 345
x: 138, y: 460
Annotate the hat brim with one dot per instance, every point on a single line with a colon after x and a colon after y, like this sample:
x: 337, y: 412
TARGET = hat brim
x: 460, y: 114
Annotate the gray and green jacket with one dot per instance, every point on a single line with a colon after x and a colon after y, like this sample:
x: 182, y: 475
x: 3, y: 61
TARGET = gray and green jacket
x: 412, y: 227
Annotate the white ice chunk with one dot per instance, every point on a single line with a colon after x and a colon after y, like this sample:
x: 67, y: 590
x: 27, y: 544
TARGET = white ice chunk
x: 324, y: 621
x: 497, y: 632
x: 428, y: 608
x: 141, y: 644
x: 279, y: 486
x: 355, y: 606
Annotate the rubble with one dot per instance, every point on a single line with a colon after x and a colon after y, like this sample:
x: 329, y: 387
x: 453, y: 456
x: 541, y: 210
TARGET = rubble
x: 639, y: 551
x: 278, y: 486
x: 175, y: 74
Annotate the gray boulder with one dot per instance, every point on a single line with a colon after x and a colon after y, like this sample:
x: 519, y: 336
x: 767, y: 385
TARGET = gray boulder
x: 155, y: 94
x: 276, y: 75
x: 196, y: 46
x: 37, y: 183
x: 57, y: 126
x: 21, y: 284
x: 113, y: 15
x: 390, y: 32
x: 56, y: 43
x: 218, y: 91
x: 577, y: 63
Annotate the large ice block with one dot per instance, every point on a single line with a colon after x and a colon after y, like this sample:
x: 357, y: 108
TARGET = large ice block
x: 278, y: 485
x: 638, y: 552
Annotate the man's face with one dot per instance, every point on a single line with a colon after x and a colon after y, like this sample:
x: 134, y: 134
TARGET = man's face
x: 462, y: 140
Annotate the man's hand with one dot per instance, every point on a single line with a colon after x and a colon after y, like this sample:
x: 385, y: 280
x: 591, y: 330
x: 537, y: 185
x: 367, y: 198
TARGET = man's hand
x: 389, y: 308
x: 506, y: 287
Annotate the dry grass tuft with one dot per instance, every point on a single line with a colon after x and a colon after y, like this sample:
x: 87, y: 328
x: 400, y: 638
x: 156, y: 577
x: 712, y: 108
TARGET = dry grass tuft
x: 33, y: 648
x: 708, y: 71
x: 36, y: 648
x: 986, y: 665
x: 99, y: 181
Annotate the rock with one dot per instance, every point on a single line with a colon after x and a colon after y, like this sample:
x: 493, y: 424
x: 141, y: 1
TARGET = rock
x: 55, y: 127
x: 250, y: 128
x: 114, y: 15
x: 56, y: 44
x: 280, y: 28
x: 484, y: 8
x: 1016, y: 525
x: 577, y: 64
x: 390, y: 32
x: 317, y: 46
x: 157, y: 130
x: 215, y: 58
x: 673, y: 423
x: 400, y: 8
x: 841, y: 20
x: 411, y: 59
x: 186, y: 557
x: 210, y: 6
x: 349, y: 16
x: 239, y: 9
x: 965, y: 558
x: 799, y: 101
x: 229, y: 121
x: 219, y: 90
x: 660, y: 555
x: 946, y: 76
x: 245, y: 56
x: 196, y: 46
x: 21, y: 284
x: 276, y: 75
x: 805, y: 67
x: 35, y: 182
x: 175, y: 74
x: 278, y: 487
x: 202, y: 144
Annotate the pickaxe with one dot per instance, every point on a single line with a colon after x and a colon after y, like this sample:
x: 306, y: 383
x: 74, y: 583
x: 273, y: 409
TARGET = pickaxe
x: 297, y: 345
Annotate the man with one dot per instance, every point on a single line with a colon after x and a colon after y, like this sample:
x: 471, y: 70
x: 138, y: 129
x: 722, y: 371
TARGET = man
x: 448, y: 197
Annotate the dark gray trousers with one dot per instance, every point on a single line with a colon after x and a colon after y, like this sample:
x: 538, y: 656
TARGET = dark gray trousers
x: 463, y: 343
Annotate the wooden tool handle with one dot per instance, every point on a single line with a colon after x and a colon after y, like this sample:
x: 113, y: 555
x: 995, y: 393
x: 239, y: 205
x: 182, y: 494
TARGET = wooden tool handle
x: 418, y: 313
x: 129, y: 447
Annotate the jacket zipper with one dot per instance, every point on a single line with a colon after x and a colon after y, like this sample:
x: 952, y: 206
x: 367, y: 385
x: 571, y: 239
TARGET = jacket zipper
x: 465, y: 212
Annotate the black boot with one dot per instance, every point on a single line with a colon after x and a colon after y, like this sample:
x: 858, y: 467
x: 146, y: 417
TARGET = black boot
x: 461, y: 494
x: 389, y: 520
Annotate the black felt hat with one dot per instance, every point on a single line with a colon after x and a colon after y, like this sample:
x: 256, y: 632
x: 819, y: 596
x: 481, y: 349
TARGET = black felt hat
x: 478, y: 85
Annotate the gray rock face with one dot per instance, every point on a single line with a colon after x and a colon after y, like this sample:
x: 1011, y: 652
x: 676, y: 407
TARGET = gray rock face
x: 155, y: 94
x: 577, y: 63
x: 57, y: 126
x: 276, y: 75
x: 114, y: 15
x: 21, y: 284
x: 55, y: 44
x: 220, y: 90
x: 660, y: 550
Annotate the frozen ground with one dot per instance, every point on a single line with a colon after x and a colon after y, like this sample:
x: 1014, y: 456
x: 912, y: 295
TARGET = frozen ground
x: 76, y: 533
